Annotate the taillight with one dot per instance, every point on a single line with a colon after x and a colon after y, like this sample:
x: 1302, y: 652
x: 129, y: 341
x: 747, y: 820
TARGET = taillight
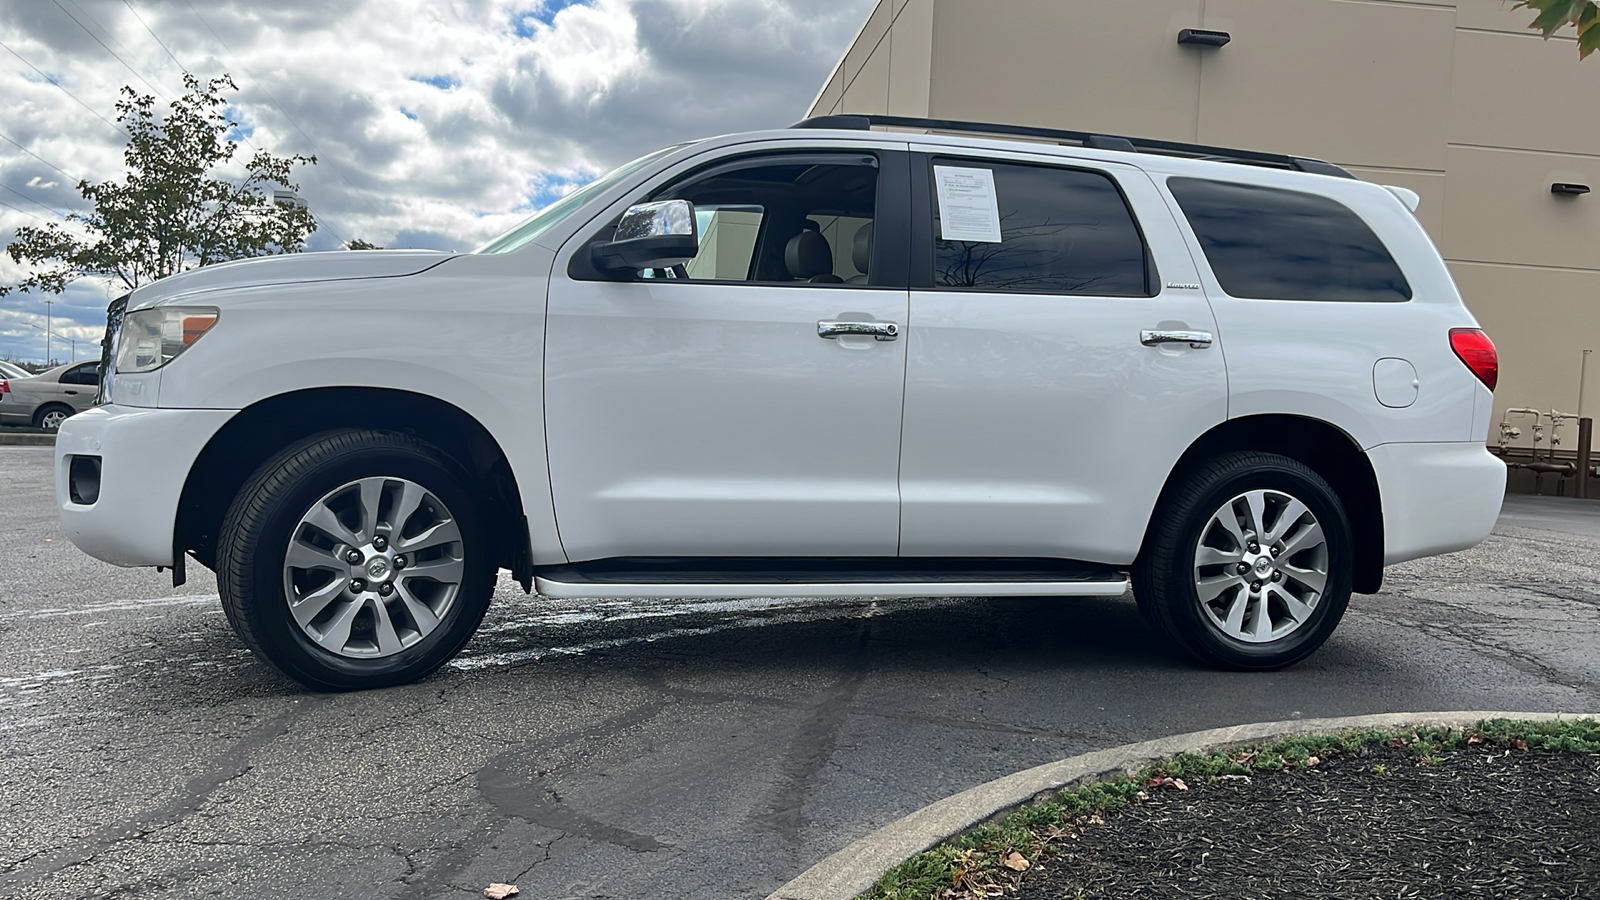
x: 5, y: 385
x: 1476, y: 350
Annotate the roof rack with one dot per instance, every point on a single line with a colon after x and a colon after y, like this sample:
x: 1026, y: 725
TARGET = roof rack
x: 854, y: 122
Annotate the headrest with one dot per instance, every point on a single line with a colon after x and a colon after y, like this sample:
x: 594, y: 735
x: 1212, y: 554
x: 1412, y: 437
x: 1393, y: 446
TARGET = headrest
x: 808, y: 255
x: 861, y: 250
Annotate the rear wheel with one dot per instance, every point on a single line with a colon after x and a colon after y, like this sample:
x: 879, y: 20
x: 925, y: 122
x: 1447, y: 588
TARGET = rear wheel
x: 354, y: 560
x: 50, y: 417
x: 1248, y: 565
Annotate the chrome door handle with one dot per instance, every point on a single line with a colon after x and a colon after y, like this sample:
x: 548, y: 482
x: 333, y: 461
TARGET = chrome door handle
x: 1199, y: 340
x: 883, y: 331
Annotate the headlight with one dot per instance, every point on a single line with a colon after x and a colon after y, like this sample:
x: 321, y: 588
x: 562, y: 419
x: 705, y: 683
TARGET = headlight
x: 151, y: 338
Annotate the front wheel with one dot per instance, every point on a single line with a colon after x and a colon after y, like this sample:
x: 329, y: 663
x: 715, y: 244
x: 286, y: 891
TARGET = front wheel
x: 1248, y: 564
x: 355, y: 559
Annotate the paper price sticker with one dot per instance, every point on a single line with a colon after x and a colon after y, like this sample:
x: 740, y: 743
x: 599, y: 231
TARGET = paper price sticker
x: 969, y: 210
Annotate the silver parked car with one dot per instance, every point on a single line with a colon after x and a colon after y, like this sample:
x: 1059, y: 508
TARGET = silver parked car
x: 47, y: 399
x: 8, y: 370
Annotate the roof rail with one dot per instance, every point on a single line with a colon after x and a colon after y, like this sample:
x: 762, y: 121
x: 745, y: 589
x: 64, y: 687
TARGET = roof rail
x: 853, y: 122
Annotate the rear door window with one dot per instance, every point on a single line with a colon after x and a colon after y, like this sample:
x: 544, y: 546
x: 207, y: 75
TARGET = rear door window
x: 1272, y: 244
x: 85, y: 374
x: 1061, y: 230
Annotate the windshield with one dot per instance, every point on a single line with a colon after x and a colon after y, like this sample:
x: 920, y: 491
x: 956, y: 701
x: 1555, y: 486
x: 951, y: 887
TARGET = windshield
x: 546, y: 218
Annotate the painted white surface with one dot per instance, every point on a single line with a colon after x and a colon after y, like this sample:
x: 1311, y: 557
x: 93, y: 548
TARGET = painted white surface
x: 145, y: 458
x: 286, y: 269
x: 692, y: 419
x: 1437, y: 498
x: 1038, y: 424
x: 1395, y: 382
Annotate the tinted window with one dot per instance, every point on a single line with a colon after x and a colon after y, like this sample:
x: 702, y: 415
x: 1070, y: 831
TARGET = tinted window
x: 1271, y: 244
x: 1063, y: 231
x: 89, y: 374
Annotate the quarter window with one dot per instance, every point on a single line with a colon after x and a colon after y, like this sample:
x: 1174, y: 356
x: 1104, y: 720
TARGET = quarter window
x: 1272, y: 244
x: 1062, y: 231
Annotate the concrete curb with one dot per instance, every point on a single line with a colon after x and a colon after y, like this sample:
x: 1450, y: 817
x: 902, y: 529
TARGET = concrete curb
x: 852, y: 870
x: 27, y: 439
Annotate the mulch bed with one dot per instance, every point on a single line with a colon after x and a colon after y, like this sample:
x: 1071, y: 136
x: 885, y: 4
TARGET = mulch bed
x: 1476, y: 822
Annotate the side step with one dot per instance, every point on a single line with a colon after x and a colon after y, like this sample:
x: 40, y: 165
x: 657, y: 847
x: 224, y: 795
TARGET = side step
x: 734, y: 578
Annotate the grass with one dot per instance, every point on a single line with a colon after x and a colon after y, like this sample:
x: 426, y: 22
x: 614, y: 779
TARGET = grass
x: 988, y: 860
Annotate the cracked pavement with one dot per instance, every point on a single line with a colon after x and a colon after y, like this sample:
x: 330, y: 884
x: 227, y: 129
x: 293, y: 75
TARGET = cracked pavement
x: 627, y: 749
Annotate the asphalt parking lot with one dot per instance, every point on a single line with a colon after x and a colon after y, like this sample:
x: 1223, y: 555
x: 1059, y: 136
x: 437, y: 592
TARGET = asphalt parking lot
x: 634, y: 749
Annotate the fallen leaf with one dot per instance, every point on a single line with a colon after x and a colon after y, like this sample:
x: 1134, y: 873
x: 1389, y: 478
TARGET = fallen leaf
x: 498, y: 891
x: 1519, y: 744
x: 1142, y: 795
x: 1475, y: 739
x: 1015, y: 861
x: 1178, y: 783
x: 1313, y: 760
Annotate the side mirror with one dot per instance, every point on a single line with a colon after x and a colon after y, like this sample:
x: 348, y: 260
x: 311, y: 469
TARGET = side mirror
x: 651, y: 236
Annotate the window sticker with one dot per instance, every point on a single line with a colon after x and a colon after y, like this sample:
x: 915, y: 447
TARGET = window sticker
x: 968, y: 207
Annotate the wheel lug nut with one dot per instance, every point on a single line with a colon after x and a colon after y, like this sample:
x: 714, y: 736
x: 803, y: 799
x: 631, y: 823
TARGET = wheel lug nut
x: 1277, y: 550
x: 1277, y: 576
x: 358, y: 585
x: 1255, y: 587
x: 1243, y: 568
x: 1255, y: 547
x: 353, y: 557
x: 400, y: 562
x: 379, y: 543
x: 386, y: 589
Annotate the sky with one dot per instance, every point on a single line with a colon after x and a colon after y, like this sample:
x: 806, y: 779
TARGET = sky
x: 436, y: 123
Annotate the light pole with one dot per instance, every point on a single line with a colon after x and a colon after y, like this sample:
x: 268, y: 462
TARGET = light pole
x: 47, y: 333
x: 47, y: 336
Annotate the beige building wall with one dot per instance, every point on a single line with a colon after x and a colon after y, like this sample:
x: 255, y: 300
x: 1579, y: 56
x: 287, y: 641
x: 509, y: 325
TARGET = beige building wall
x: 1455, y: 99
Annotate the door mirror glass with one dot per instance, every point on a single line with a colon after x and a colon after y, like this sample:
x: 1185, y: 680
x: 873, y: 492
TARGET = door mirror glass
x: 652, y: 236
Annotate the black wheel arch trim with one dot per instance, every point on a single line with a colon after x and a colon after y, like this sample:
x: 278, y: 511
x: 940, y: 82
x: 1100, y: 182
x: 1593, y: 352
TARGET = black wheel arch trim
x: 1327, y: 449
x: 258, y: 431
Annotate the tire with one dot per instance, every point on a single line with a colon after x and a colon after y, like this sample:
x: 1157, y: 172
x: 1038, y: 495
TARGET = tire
x: 1188, y: 583
x: 406, y: 509
x: 50, y: 417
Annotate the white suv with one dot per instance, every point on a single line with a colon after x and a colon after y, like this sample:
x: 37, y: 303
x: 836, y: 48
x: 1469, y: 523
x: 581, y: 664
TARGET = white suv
x: 829, y: 360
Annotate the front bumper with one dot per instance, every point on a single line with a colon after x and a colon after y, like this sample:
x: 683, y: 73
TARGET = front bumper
x: 145, y: 455
x: 1437, y: 498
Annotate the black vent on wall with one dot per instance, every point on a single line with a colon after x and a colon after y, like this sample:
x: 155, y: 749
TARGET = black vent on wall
x: 1204, y: 38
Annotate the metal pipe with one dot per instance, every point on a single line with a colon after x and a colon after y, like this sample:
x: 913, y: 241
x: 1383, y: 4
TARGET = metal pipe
x: 1585, y: 442
x: 1583, y: 376
x: 1507, y: 431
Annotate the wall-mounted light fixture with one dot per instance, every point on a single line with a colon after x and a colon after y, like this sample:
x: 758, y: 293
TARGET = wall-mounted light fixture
x: 1563, y: 187
x: 1204, y: 38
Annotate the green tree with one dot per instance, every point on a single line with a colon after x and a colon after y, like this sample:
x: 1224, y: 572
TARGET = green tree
x: 359, y: 244
x: 1557, y: 14
x: 170, y: 212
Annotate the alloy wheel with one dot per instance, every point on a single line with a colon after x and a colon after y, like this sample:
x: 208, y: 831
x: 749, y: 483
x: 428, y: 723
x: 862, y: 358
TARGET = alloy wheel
x: 1261, y: 566
x: 373, y: 567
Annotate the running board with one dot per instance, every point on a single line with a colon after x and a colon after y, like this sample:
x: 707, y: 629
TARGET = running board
x: 733, y: 578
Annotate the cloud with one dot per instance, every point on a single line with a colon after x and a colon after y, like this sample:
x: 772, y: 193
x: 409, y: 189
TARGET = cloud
x: 436, y: 123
